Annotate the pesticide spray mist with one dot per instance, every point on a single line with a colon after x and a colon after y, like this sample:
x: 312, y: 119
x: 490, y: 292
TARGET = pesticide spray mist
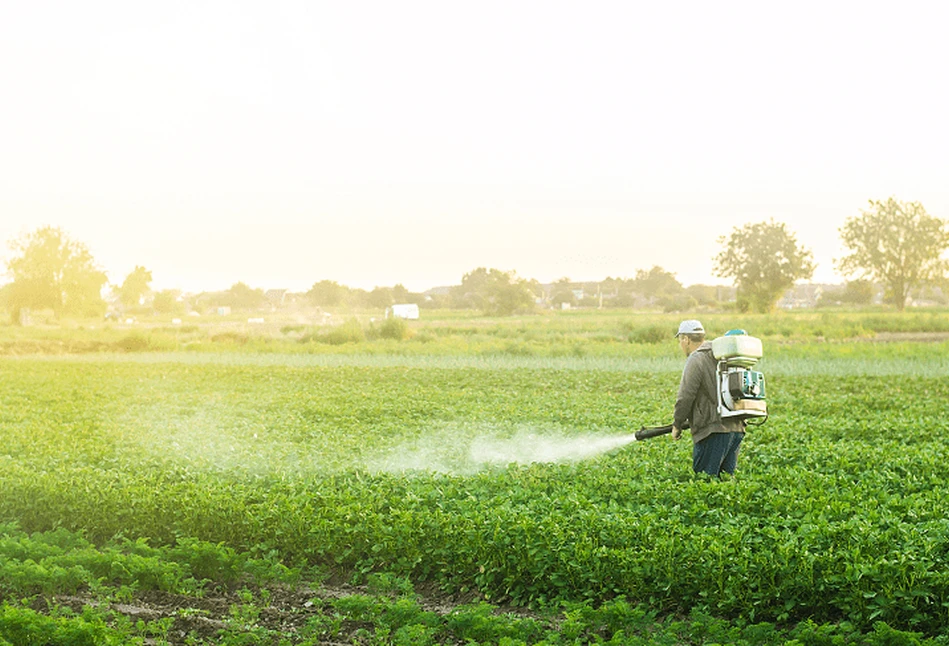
x: 462, y: 450
x: 215, y: 438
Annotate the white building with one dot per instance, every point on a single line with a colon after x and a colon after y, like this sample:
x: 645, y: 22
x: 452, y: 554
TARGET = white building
x: 403, y: 311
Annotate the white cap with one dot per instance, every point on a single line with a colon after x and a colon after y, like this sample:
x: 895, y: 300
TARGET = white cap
x: 690, y: 327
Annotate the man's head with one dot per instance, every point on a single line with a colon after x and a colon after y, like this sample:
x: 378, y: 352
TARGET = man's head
x: 691, y: 335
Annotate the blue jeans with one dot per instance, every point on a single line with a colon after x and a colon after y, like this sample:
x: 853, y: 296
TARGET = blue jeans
x: 716, y: 453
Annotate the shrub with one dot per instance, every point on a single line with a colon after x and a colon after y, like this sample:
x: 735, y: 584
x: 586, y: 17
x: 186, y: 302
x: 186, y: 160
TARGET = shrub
x: 394, y: 328
x: 349, y: 332
x: 132, y: 343
x: 230, y: 337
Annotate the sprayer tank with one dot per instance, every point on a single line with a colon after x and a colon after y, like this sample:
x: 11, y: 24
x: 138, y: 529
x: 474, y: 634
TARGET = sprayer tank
x: 737, y: 349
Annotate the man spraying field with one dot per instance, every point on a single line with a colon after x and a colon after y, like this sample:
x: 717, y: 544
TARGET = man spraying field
x: 715, y: 439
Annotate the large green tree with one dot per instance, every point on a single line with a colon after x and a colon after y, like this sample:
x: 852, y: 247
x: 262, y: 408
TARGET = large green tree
x: 897, y: 244
x: 494, y: 292
x: 765, y: 260
x: 52, y: 271
x: 135, y: 287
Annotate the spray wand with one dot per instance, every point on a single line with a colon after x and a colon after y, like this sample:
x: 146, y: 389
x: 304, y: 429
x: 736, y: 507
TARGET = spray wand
x: 647, y: 432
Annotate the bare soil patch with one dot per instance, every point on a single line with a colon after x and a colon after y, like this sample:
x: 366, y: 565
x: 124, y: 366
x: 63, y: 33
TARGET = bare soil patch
x: 281, y: 609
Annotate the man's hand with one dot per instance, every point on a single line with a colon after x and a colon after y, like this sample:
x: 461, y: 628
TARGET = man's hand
x: 676, y: 433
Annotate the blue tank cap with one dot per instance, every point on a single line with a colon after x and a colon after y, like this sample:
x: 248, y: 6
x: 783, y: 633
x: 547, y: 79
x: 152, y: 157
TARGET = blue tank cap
x: 736, y: 332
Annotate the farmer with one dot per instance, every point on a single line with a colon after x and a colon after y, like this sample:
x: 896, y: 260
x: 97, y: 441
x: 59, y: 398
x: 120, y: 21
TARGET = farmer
x: 715, y: 441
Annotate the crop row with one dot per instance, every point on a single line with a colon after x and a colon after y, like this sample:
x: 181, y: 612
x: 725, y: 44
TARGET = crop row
x: 117, y: 581
x: 835, y: 514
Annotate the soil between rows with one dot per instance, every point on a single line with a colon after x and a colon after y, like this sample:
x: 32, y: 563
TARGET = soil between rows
x: 282, y: 609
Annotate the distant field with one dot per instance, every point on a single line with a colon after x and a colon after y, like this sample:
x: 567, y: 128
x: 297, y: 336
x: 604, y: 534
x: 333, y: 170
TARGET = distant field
x: 477, y: 473
x: 579, y: 333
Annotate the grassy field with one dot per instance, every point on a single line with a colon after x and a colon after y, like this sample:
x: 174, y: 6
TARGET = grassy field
x: 468, y: 481
x: 578, y: 332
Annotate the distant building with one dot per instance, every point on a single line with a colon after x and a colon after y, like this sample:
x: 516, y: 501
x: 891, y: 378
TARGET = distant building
x: 403, y: 311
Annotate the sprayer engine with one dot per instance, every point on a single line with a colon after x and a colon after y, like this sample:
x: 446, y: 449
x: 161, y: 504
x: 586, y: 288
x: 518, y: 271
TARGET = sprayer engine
x: 741, y: 391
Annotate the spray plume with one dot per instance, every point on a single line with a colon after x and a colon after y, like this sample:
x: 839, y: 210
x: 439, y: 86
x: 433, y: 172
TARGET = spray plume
x: 466, y: 450
x: 213, y: 438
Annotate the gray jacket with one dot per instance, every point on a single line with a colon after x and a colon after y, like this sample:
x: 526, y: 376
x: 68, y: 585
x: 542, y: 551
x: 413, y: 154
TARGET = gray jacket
x: 697, y: 399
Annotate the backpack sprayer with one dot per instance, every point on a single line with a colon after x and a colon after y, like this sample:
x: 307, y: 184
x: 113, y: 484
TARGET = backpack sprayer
x: 740, y: 390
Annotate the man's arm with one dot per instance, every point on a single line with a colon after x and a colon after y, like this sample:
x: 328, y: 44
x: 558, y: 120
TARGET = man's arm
x: 688, y: 391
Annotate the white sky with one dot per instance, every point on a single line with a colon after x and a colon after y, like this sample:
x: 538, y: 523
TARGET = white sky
x: 374, y: 143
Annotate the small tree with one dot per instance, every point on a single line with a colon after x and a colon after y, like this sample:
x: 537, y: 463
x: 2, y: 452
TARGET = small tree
x: 897, y: 244
x: 619, y: 292
x: 380, y: 298
x: 400, y: 294
x: 494, y: 292
x: 327, y: 293
x: 135, y: 287
x: 166, y: 302
x: 857, y: 292
x: 53, y: 271
x: 562, y: 292
x: 657, y: 283
x: 242, y: 297
x: 764, y: 260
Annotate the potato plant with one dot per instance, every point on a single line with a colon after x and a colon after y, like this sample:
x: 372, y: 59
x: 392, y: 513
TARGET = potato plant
x: 360, y: 467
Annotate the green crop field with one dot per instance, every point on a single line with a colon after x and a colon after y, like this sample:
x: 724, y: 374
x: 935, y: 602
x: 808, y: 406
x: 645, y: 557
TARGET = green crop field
x: 468, y: 482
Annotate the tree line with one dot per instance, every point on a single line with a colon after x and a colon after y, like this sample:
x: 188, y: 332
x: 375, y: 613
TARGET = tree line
x: 897, y: 244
